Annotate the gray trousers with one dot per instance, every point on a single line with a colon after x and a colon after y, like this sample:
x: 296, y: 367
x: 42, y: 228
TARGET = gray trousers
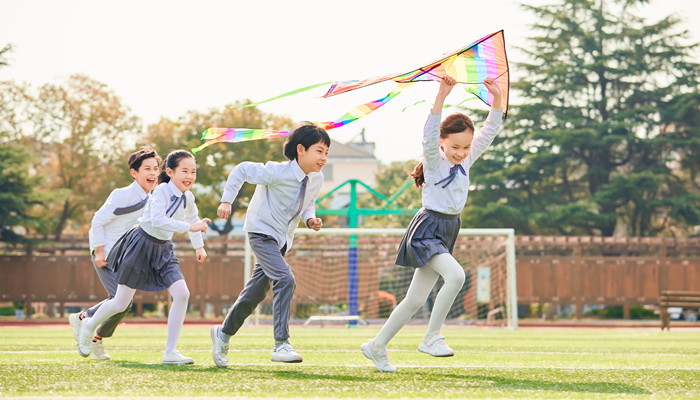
x: 270, y: 267
x: 109, y: 281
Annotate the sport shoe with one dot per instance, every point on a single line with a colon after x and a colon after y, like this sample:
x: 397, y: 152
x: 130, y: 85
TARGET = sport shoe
x: 98, y: 351
x: 174, y: 357
x: 436, y: 347
x: 85, y: 339
x: 220, y: 351
x: 285, y: 353
x: 380, y: 357
x: 75, y: 322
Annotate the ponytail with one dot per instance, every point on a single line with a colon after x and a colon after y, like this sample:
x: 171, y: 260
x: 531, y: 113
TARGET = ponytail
x: 417, y: 174
x: 172, y: 161
x: 454, y: 123
x: 163, y: 176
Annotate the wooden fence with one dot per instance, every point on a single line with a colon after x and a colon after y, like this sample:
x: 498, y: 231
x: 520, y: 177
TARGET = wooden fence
x: 557, y: 270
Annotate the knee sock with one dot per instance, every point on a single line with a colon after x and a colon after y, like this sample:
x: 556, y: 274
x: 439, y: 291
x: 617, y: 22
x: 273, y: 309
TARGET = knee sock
x: 453, y: 275
x: 423, y: 281
x: 176, y: 317
x: 119, y: 303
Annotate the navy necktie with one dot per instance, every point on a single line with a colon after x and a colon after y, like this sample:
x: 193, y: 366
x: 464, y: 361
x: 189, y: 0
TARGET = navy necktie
x: 176, y: 204
x: 452, y: 175
x: 131, y: 208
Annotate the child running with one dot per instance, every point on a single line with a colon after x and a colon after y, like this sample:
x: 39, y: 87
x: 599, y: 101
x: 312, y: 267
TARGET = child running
x: 449, y: 149
x: 143, y: 258
x: 121, y: 211
x: 285, y: 193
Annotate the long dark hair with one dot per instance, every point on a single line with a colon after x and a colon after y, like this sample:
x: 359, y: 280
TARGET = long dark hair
x: 172, y: 161
x: 454, y: 123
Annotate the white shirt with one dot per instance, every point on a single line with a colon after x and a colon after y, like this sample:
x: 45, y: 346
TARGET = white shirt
x: 275, y: 200
x: 106, y: 226
x: 167, y: 198
x: 452, y: 198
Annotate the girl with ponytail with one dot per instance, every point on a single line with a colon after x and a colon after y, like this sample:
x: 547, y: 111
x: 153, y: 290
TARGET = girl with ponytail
x: 449, y: 149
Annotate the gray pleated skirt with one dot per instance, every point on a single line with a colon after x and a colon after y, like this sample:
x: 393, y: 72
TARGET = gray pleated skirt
x: 429, y: 233
x: 143, y: 262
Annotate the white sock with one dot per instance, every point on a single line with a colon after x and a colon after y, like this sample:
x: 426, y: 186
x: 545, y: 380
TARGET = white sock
x: 176, y: 317
x: 453, y: 275
x: 117, y: 304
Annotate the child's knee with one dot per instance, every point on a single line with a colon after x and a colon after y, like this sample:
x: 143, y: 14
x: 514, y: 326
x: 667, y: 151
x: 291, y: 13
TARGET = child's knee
x: 287, y: 280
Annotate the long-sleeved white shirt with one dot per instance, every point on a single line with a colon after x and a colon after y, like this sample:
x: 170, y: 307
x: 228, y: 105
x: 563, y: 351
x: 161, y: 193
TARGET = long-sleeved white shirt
x: 165, y: 214
x: 275, y: 200
x: 120, y: 211
x: 452, y: 198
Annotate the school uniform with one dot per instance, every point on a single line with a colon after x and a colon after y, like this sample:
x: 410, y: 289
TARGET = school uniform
x: 143, y: 258
x: 283, y: 196
x: 434, y: 229
x: 120, y: 211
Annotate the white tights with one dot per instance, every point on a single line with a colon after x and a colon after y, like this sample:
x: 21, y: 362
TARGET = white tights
x: 125, y: 294
x: 422, y: 284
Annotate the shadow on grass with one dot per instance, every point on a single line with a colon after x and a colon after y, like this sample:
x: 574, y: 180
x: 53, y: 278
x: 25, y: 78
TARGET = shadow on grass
x: 504, y: 383
x: 272, y: 372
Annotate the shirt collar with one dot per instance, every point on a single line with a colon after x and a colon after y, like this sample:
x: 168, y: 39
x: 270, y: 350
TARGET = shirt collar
x: 296, y: 169
x: 174, y: 190
x: 136, y: 188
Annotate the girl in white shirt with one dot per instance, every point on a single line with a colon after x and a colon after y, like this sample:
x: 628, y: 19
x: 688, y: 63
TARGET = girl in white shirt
x: 449, y: 149
x: 144, y: 259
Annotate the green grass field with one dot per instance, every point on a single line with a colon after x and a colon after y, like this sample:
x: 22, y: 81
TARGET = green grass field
x: 42, y: 362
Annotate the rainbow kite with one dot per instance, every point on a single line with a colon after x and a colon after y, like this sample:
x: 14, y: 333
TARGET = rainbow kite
x: 469, y: 66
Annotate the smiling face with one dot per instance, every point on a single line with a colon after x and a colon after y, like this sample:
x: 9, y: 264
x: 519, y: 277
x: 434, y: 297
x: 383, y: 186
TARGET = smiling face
x: 147, y: 175
x: 313, y: 158
x: 457, y: 146
x: 184, y: 175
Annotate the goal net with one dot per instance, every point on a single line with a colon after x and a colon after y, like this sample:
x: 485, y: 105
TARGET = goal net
x: 349, y: 274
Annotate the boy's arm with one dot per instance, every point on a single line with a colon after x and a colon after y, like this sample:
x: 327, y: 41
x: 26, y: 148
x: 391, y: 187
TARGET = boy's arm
x: 102, y: 217
x: 251, y: 172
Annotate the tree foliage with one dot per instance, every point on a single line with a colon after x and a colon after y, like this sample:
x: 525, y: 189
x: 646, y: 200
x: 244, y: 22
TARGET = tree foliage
x: 216, y: 161
x: 607, y: 142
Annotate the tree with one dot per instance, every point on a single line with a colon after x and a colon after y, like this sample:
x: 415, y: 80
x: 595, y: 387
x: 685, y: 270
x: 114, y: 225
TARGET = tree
x: 17, y: 182
x: 85, y: 131
x: 17, y: 192
x: 607, y: 141
x: 216, y: 161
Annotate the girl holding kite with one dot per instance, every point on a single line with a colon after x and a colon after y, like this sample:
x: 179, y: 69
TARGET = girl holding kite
x: 449, y: 149
x: 143, y: 258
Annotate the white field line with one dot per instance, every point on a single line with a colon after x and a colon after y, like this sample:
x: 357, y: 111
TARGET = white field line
x: 494, y: 353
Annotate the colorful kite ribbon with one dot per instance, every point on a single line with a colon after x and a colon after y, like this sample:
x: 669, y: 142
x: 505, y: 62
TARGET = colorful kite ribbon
x: 470, y: 65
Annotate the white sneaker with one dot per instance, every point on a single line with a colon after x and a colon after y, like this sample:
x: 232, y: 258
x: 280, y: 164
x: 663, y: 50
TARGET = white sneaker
x: 174, y: 357
x: 380, y: 357
x: 98, y: 351
x: 85, y: 339
x: 220, y: 351
x: 436, y: 347
x: 285, y: 353
x: 75, y: 322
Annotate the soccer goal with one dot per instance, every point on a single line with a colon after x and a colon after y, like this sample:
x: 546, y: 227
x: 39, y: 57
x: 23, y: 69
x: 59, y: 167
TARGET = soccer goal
x: 350, y: 275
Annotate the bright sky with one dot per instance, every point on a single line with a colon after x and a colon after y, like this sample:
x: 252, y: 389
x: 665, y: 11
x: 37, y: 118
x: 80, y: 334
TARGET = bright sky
x: 164, y: 57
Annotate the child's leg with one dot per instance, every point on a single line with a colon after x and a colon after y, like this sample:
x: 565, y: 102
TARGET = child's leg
x: 277, y: 270
x: 453, y: 275
x: 423, y: 281
x: 176, y: 317
x: 254, y: 292
x: 119, y: 303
